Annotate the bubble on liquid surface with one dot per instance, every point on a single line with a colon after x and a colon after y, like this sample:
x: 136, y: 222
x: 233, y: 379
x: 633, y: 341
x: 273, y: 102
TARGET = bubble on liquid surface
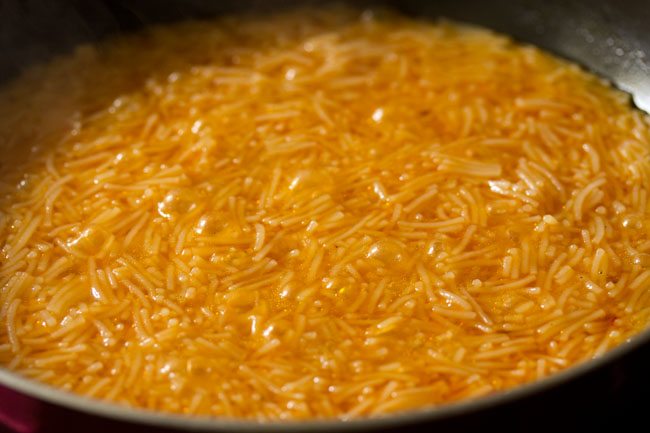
x: 177, y: 202
x: 305, y: 180
x: 642, y: 260
x: 209, y: 224
x: 391, y: 253
x: 89, y: 242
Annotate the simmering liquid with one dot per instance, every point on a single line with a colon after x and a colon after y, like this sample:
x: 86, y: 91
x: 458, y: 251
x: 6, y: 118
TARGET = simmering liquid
x: 316, y: 214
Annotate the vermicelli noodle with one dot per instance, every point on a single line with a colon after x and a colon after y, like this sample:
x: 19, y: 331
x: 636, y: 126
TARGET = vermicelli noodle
x: 316, y: 214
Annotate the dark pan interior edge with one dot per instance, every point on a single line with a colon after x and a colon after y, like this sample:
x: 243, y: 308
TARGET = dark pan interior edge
x: 609, y: 38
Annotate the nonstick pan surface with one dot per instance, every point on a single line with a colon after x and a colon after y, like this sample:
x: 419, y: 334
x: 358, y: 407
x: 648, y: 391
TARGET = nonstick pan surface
x: 610, y: 38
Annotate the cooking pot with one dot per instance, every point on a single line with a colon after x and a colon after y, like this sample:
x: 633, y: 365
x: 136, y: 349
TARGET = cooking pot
x: 610, y: 38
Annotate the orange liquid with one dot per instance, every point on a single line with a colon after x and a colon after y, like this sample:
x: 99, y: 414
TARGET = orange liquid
x: 317, y: 215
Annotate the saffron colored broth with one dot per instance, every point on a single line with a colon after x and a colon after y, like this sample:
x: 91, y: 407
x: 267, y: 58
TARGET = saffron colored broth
x: 316, y: 214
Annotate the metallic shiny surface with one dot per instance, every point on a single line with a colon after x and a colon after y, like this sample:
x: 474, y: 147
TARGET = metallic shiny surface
x: 608, y: 37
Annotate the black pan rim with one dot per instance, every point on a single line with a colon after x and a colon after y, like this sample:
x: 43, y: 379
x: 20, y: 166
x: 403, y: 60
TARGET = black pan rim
x: 148, y: 418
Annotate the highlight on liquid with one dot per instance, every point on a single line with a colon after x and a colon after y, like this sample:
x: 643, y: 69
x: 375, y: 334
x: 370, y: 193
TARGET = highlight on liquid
x: 316, y: 214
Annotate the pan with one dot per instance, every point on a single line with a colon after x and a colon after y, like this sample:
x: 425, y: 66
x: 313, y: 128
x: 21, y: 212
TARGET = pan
x: 610, y: 38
